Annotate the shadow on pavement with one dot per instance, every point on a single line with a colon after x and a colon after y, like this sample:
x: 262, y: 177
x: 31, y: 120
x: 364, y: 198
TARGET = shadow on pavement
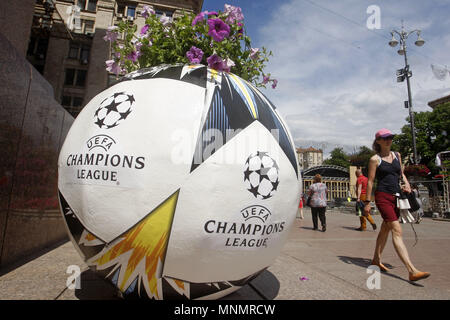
x: 364, y: 263
x: 307, y: 228
x: 31, y: 256
x: 266, y: 285
x: 93, y: 287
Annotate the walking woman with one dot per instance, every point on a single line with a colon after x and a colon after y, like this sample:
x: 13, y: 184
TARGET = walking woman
x: 318, y: 202
x: 386, y: 167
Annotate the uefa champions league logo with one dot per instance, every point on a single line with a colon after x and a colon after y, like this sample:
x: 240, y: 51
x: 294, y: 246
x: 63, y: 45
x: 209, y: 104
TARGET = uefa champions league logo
x: 261, y: 175
x: 113, y: 110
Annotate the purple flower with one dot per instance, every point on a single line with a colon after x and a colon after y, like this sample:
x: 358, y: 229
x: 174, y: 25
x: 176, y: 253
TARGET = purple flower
x: 254, y: 52
x: 164, y: 20
x: 144, y: 29
x: 203, y: 15
x: 216, y: 62
x: 111, y: 34
x: 218, y: 29
x: 113, y: 67
x: 194, y: 55
x: 234, y: 14
x: 227, y: 64
x: 265, y: 79
x: 147, y: 12
x: 133, y: 56
x: 274, y: 84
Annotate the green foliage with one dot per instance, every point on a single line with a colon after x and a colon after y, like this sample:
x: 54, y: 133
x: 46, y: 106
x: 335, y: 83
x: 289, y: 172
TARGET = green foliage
x: 362, y: 157
x: 168, y: 43
x: 432, y: 135
x: 338, y: 158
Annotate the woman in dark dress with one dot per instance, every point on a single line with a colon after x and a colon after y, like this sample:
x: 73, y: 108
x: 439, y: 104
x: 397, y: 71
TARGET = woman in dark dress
x: 386, y: 167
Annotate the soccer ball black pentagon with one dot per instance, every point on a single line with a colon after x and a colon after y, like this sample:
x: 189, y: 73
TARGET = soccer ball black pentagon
x: 261, y: 175
x: 113, y: 110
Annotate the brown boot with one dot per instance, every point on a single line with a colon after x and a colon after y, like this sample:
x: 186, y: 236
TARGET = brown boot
x: 418, y: 276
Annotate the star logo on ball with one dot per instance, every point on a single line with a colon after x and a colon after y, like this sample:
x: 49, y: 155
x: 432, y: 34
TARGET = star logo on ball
x: 261, y: 175
x: 113, y: 110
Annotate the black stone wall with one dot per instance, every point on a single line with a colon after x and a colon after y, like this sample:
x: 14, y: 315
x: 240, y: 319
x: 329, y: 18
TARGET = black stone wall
x: 32, y: 129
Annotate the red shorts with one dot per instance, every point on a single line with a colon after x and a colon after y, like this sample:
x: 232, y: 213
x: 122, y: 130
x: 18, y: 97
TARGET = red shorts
x: 301, y: 203
x: 387, y: 205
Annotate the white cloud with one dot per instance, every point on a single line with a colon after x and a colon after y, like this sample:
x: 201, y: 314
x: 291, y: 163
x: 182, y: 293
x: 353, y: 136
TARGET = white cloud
x: 337, y: 83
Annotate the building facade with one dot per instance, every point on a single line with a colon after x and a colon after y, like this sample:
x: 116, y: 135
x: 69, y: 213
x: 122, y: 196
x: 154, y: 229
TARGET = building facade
x: 67, y: 46
x: 309, y: 157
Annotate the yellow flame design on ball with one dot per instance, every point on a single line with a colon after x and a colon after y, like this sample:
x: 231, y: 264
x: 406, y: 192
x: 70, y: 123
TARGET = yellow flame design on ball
x: 140, y: 251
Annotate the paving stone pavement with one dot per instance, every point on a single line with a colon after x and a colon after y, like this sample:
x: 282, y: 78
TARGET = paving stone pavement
x: 312, y: 265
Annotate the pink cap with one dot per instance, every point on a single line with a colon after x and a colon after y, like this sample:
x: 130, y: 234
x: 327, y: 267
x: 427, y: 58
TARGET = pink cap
x: 383, y: 133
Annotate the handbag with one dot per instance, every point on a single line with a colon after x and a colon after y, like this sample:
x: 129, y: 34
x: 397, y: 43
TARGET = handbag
x: 413, y: 202
x: 402, y: 201
x: 308, y: 201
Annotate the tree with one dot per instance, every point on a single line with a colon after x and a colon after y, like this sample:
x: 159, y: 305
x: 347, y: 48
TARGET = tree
x: 432, y: 135
x: 338, y: 158
x: 362, y: 157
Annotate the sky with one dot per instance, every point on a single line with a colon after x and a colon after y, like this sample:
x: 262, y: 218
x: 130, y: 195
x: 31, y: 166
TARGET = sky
x: 336, y: 77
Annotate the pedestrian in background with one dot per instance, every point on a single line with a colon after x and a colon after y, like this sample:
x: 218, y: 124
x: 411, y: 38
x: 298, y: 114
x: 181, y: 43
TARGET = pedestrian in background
x: 386, y: 167
x: 301, y: 205
x: 361, y: 193
x: 318, y: 203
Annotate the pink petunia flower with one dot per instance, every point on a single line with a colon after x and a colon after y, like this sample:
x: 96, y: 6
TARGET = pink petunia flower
x: 254, y: 53
x: 203, y: 15
x: 165, y: 20
x: 134, y: 56
x: 147, y: 12
x: 228, y: 63
x: 111, y: 34
x: 265, y: 79
x: 234, y: 14
x: 144, y: 29
x: 274, y: 83
x: 113, y: 67
x: 218, y: 29
x: 194, y: 55
x: 215, y: 62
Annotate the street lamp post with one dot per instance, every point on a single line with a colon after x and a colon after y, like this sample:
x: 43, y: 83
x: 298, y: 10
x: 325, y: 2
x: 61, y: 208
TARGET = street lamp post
x: 406, y: 73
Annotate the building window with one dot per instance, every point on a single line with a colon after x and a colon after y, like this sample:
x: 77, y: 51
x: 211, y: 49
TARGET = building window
x: 125, y: 10
x: 87, y: 26
x: 80, y: 52
x: 81, y: 78
x: 160, y: 13
x: 131, y: 11
x: 70, y: 76
x: 69, y: 101
x: 75, y: 77
x: 88, y: 5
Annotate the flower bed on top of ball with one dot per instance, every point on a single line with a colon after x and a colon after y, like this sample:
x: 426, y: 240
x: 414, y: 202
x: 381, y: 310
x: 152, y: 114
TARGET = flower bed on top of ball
x: 217, y: 39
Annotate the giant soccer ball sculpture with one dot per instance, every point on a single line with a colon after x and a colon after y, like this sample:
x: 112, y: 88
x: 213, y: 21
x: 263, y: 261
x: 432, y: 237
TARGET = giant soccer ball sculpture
x: 179, y: 182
